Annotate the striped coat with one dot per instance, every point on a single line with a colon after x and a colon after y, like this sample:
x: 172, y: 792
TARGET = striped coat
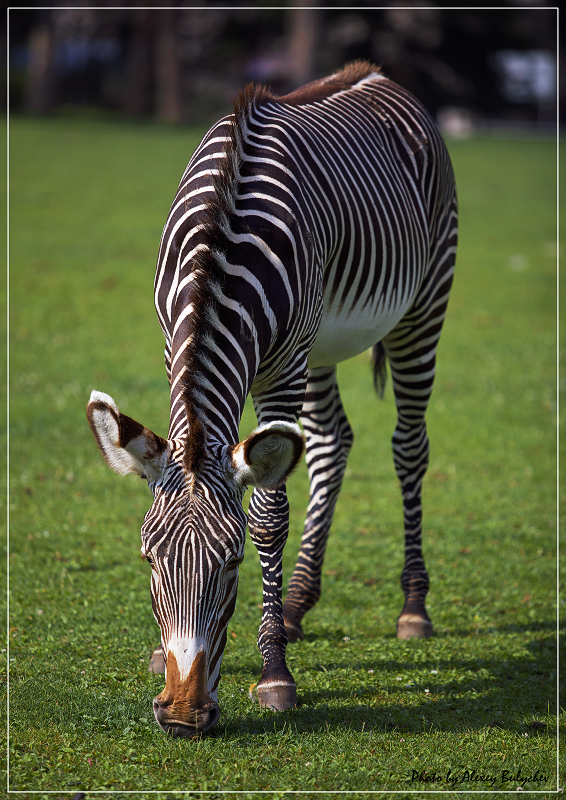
x: 306, y: 229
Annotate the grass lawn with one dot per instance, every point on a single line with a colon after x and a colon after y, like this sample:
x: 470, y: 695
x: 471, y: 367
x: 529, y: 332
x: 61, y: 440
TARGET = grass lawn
x: 473, y: 708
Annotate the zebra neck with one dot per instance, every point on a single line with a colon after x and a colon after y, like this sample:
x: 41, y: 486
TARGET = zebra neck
x: 205, y: 411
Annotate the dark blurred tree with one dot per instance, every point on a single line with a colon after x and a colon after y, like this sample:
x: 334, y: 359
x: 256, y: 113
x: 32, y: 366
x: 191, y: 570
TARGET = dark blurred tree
x: 168, y: 106
x: 40, y: 94
x: 183, y: 63
x: 303, y: 34
x: 137, y: 87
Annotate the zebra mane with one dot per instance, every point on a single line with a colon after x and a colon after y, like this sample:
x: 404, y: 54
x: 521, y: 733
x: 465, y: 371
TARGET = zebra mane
x: 208, y: 272
x: 209, y: 278
x: 207, y: 263
x: 341, y: 80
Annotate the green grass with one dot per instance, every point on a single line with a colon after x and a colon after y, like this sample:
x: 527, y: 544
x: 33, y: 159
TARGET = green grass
x: 88, y: 201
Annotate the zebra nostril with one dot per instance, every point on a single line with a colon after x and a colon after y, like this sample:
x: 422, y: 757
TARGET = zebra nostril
x: 214, y: 716
x: 159, y: 704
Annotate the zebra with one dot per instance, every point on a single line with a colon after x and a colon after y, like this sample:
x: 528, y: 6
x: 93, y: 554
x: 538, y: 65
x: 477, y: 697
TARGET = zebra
x: 307, y: 228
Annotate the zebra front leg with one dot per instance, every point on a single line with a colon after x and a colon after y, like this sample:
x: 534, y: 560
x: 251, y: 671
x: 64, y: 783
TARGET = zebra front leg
x: 268, y: 522
x: 157, y: 661
x: 329, y: 440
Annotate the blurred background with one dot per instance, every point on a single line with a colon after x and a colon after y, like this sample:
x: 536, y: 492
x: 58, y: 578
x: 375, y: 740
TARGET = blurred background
x: 473, y: 68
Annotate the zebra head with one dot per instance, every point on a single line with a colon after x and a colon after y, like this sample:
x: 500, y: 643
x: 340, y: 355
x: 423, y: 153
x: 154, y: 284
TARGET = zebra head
x: 193, y: 537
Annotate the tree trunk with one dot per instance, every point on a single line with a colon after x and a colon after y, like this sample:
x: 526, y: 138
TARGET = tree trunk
x: 41, y: 74
x: 168, y: 101
x: 138, y: 71
x: 303, y: 39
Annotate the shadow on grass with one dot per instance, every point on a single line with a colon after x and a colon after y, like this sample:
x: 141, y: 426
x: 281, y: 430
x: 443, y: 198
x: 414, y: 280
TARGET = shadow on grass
x: 497, y: 692
x: 362, y: 720
x: 493, y: 692
x: 336, y: 635
x: 440, y: 715
x: 503, y: 692
x: 466, y: 633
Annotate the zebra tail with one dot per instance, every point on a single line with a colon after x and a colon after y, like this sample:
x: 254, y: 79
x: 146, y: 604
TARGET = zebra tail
x: 379, y: 368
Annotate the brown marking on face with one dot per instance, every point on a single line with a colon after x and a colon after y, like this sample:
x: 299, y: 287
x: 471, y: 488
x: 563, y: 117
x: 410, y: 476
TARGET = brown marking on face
x: 182, y: 699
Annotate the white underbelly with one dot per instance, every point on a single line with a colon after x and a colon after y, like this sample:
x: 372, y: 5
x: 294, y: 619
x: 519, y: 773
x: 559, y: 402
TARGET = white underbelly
x: 341, y: 336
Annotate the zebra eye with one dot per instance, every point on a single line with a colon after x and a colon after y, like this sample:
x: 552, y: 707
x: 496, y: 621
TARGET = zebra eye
x: 149, y: 558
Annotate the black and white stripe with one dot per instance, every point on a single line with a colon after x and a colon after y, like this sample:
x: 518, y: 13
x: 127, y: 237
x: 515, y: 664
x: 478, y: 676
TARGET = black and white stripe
x: 306, y: 229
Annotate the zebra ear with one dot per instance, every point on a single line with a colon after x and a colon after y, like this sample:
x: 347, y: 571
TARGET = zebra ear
x: 269, y: 455
x: 125, y: 444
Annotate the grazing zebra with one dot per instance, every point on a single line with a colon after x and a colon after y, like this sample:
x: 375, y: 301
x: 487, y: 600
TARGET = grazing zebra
x: 306, y: 229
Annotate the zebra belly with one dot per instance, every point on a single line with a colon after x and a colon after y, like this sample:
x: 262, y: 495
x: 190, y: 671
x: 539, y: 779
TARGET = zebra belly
x: 342, y: 336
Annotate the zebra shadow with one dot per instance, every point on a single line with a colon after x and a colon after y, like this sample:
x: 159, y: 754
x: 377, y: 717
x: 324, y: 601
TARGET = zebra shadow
x: 491, y: 692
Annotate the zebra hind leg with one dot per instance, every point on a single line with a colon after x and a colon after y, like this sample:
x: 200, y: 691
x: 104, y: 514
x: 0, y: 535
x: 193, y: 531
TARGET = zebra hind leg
x: 411, y: 448
x: 412, y: 358
x: 329, y: 439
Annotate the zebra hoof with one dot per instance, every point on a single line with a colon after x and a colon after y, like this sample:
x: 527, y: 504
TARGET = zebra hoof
x: 294, y: 631
x: 411, y: 626
x: 277, y: 696
x: 157, y: 662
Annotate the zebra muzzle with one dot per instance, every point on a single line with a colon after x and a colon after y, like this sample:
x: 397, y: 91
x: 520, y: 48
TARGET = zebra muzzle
x: 192, y: 724
x: 184, y: 707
